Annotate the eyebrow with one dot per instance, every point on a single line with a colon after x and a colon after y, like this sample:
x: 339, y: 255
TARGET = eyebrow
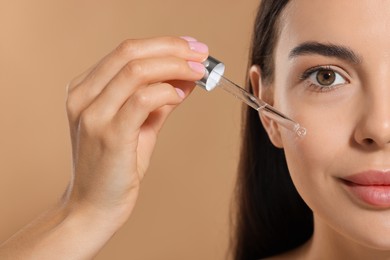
x: 328, y: 50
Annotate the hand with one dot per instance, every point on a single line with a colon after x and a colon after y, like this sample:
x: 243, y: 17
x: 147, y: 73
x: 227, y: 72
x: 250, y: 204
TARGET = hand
x: 116, y: 110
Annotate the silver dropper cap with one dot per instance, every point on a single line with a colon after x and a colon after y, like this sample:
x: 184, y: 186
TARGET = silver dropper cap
x: 213, y: 73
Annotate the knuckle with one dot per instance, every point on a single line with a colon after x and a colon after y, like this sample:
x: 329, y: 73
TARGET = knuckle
x: 91, y: 127
x: 71, y: 105
x: 127, y: 48
x: 93, y: 124
x: 141, y: 99
x: 88, y: 122
x: 134, y: 68
x: 168, y: 90
x: 84, y: 120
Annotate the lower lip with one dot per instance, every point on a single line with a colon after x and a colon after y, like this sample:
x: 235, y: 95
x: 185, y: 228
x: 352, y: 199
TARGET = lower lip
x: 375, y: 195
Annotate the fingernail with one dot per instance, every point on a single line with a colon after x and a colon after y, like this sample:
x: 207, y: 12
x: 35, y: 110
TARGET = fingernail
x: 198, y: 47
x: 180, y: 93
x: 188, y: 38
x: 196, y: 66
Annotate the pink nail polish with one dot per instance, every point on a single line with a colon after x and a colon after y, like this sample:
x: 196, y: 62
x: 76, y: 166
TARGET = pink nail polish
x: 196, y: 66
x: 188, y: 38
x: 199, y: 47
x: 180, y: 92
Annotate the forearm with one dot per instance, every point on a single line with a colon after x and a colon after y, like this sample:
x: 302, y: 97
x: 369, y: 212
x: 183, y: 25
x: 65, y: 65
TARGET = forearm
x: 61, y: 233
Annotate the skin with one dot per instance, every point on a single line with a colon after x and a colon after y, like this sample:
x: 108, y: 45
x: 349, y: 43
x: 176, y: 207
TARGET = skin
x: 348, y: 126
x: 115, y: 110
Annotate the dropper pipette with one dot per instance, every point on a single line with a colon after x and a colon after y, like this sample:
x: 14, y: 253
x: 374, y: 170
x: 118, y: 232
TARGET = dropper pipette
x: 214, y: 78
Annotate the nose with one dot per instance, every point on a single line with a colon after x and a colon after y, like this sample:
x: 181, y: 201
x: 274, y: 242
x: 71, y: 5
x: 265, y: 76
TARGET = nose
x: 373, y: 127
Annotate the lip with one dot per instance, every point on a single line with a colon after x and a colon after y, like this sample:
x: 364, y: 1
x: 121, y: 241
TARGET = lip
x: 371, y: 187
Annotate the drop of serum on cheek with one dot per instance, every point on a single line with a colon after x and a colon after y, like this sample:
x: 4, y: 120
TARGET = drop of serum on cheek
x: 213, y: 77
x: 301, y: 131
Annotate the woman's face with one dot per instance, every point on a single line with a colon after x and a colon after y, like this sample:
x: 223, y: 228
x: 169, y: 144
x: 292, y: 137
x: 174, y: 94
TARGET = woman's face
x: 332, y: 75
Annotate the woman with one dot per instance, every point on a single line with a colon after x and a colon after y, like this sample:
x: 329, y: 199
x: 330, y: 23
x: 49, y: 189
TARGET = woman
x: 323, y: 64
x: 326, y: 65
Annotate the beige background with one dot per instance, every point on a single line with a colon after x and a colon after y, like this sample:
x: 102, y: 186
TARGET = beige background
x: 183, y: 209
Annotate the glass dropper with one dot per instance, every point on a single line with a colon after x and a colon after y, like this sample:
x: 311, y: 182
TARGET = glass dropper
x: 214, y: 78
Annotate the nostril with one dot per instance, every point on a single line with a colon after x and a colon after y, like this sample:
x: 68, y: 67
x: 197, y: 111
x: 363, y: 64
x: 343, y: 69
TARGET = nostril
x: 368, y: 141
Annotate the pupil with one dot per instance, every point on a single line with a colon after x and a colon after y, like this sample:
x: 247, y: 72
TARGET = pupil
x: 326, y: 77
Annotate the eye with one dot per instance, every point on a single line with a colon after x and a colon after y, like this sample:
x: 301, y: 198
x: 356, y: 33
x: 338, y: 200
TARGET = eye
x: 324, y: 78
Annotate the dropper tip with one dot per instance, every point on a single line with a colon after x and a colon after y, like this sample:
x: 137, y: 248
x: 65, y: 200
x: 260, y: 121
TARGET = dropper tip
x: 301, y: 131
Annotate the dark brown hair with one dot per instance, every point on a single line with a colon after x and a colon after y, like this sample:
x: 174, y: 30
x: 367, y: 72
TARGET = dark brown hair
x: 271, y: 216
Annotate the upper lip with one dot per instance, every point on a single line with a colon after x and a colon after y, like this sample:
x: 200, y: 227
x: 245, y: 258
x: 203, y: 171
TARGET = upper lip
x: 369, y: 178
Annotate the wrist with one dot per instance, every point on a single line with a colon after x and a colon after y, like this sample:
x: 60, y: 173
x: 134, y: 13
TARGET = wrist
x: 86, y: 226
x: 109, y: 216
x: 87, y: 217
x: 66, y: 231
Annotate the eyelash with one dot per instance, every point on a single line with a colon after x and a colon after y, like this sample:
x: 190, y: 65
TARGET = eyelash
x: 318, y: 87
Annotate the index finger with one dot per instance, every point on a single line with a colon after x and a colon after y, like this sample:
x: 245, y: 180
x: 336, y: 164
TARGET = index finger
x: 182, y: 47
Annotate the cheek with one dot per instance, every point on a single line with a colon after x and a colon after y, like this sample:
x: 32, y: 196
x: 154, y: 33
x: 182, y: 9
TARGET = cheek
x: 329, y: 126
x: 314, y: 159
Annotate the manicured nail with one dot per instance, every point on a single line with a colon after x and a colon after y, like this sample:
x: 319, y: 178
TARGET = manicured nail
x: 180, y: 93
x: 196, y: 66
x: 188, y: 38
x: 199, y: 47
